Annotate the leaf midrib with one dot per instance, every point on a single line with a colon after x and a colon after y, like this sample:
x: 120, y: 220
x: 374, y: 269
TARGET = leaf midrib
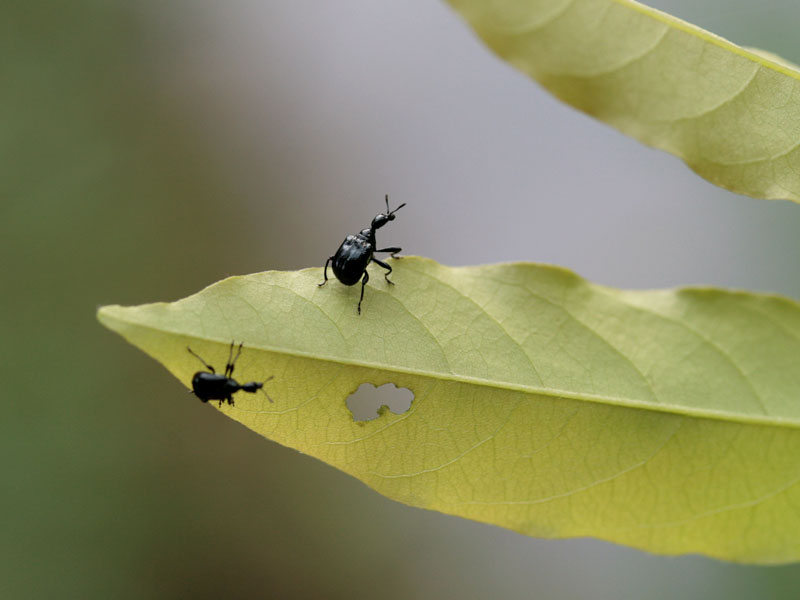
x: 689, y: 29
x: 706, y: 413
x: 706, y: 35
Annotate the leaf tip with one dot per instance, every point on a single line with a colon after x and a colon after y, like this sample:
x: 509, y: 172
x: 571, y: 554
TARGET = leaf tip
x: 109, y: 316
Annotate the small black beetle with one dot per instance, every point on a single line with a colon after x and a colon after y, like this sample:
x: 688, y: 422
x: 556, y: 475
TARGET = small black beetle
x: 212, y: 386
x: 357, y: 251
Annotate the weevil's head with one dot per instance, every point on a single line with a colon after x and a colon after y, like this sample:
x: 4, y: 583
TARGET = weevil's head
x: 383, y: 218
x: 255, y: 386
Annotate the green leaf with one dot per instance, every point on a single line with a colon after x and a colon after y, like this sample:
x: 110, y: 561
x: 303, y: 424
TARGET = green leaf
x: 665, y: 420
x: 732, y: 114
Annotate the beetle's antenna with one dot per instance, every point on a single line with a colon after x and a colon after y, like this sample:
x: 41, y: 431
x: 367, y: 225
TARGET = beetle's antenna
x: 262, y: 388
x: 388, y: 210
x: 198, y: 357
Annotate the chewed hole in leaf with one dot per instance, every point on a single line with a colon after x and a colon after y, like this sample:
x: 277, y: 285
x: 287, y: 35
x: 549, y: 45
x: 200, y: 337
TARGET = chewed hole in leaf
x: 368, y: 402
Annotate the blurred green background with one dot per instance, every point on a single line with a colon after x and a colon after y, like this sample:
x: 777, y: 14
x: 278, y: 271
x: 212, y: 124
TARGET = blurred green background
x: 150, y: 149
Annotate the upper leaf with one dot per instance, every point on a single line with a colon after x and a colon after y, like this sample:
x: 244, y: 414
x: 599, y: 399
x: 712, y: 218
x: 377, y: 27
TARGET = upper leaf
x: 732, y: 114
x: 667, y: 420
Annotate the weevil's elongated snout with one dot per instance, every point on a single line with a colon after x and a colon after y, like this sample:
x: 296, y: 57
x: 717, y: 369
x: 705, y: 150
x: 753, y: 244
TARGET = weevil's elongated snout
x: 254, y: 386
x: 381, y: 219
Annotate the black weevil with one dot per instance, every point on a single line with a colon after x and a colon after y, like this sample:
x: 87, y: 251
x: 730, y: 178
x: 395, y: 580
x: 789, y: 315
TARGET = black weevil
x: 213, y: 386
x: 357, y: 251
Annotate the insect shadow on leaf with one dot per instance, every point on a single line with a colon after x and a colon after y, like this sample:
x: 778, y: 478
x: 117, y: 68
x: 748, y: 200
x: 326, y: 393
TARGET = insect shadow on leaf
x: 210, y: 385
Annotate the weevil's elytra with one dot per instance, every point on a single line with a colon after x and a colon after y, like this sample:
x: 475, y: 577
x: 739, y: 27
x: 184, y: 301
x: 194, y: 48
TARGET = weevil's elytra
x: 210, y: 385
x: 356, y: 252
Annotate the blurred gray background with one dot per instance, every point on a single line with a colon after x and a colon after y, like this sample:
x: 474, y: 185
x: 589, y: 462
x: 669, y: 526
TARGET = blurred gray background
x: 150, y: 149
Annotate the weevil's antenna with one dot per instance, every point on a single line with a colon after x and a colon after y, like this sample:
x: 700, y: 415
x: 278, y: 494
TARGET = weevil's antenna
x: 270, y: 378
x: 388, y: 210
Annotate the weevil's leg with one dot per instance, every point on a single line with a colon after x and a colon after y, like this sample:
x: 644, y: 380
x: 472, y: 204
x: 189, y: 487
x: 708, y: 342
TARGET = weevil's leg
x: 228, y: 363
x: 385, y: 266
x: 363, y: 283
x: 197, y: 356
x: 325, y: 271
x: 391, y: 251
x: 231, y: 363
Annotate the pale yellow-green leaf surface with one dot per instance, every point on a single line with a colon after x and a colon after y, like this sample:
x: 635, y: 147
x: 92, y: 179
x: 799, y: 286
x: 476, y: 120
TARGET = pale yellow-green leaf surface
x: 731, y: 113
x: 665, y: 420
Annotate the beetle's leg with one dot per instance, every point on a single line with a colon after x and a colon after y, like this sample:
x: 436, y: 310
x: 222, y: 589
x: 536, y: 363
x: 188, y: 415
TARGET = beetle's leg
x: 363, y: 283
x: 228, y: 364
x: 231, y: 363
x: 325, y: 271
x: 193, y: 353
x: 391, y: 251
x: 385, y: 266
